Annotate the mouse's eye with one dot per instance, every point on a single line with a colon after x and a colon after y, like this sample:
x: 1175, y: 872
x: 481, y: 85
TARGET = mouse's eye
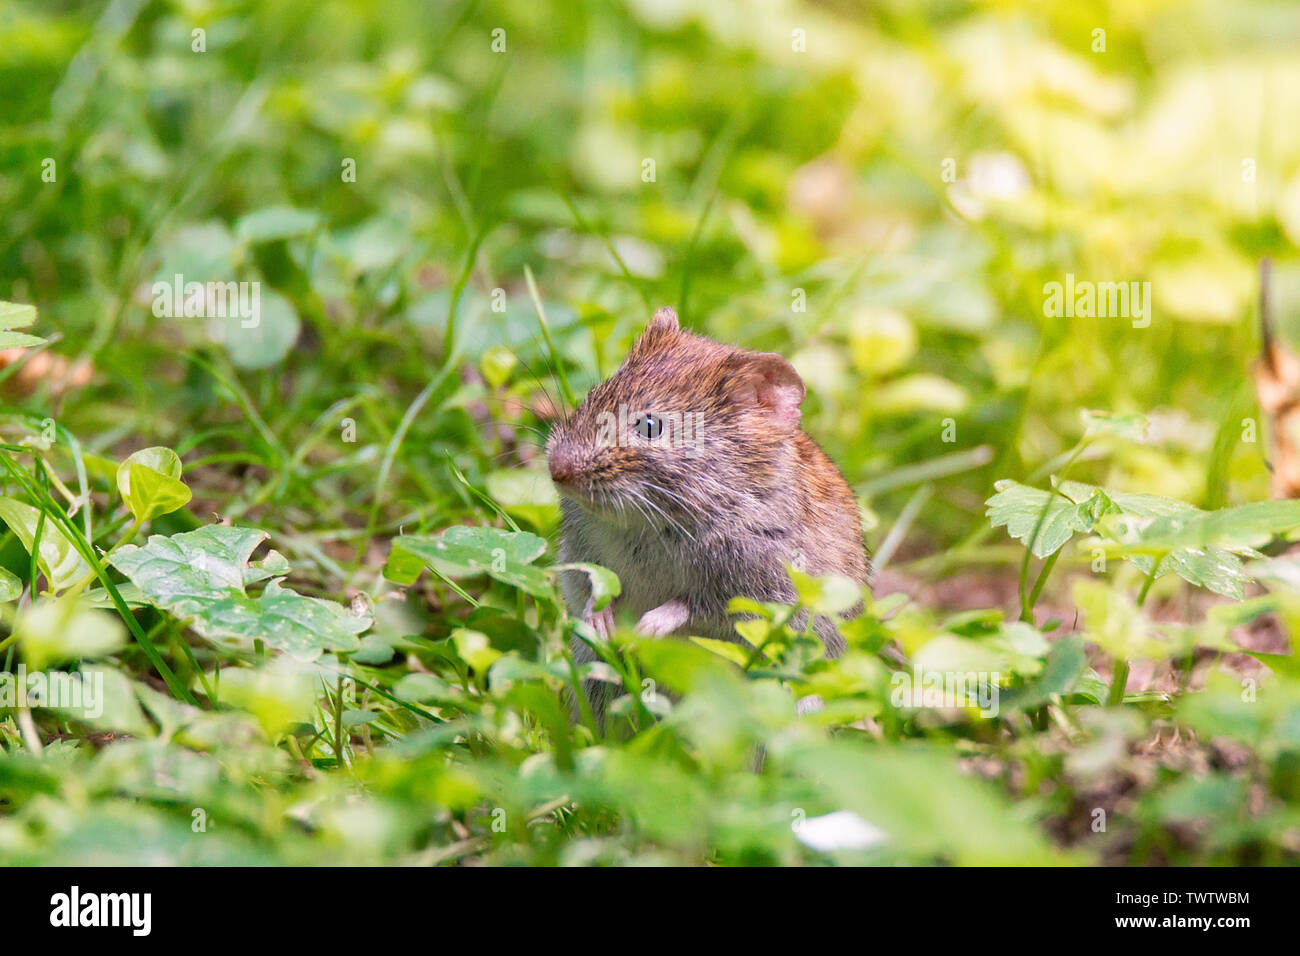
x: 648, y: 426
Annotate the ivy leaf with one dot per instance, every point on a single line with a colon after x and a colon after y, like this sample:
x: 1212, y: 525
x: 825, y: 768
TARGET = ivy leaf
x: 462, y: 551
x: 15, y: 315
x: 200, y: 576
x: 149, y: 481
x: 62, y: 563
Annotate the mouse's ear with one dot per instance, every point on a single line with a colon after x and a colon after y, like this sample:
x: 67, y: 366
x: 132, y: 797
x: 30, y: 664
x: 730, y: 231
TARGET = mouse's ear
x: 776, y: 386
x: 664, y: 320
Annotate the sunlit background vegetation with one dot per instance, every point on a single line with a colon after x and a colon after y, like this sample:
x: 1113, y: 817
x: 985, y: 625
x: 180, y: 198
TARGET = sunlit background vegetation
x: 880, y: 191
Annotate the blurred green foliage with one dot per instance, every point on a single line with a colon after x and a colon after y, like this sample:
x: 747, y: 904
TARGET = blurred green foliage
x: 881, y: 191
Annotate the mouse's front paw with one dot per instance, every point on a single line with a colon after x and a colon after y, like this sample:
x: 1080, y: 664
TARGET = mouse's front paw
x: 663, y: 619
x: 601, y: 621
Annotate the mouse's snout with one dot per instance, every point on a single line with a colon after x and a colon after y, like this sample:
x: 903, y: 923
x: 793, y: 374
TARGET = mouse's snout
x: 563, y: 463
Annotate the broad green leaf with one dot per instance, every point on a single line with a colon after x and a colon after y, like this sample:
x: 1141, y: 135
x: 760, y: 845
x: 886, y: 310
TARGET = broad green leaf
x: 1042, y: 520
x: 62, y: 564
x: 1242, y: 528
x: 1266, y: 718
x: 149, y: 482
x: 1019, y: 508
x: 130, y: 833
x: 950, y: 654
x: 1198, y: 799
x: 462, y: 551
x: 200, y: 576
x: 97, y: 466
x: 198, y: 252
x: 1283, y: 570
x: 15, y: 315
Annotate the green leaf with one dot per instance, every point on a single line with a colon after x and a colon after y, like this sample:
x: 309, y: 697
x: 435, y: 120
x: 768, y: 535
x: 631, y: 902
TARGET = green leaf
x: 1021, y: 509
x: 605, y: 585
x: 274, y: 223
x: 11, y: 588
x: 728, y: 650
x: 462, y: 551
x: 279, y: 694
x: 15, y: 315
x: 262, y: 340
x: 62, y: 564
x: 200, y: 576
x: 424, y: 688
x: 1078, y: 507
x: 1195, y: 799
x: 107, y: 702
x: 1065, y: 664
x: 931, y: 811
x: 1215, y: 569
x: 1147, y: 506
x: 149, y: 481
x: 496, y: 364
x: 1114, y: 622
x: 525, y: 493
x: 826, y: 594
x: 475, y: 648
x: 1237, y: 529
x: 1284, y: 570
x: 58, y: 630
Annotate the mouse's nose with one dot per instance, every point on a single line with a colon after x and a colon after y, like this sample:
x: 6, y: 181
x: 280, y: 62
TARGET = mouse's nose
x: 563, y: 464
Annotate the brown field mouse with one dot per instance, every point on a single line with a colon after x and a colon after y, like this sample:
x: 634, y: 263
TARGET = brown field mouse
x: 687, y: 474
